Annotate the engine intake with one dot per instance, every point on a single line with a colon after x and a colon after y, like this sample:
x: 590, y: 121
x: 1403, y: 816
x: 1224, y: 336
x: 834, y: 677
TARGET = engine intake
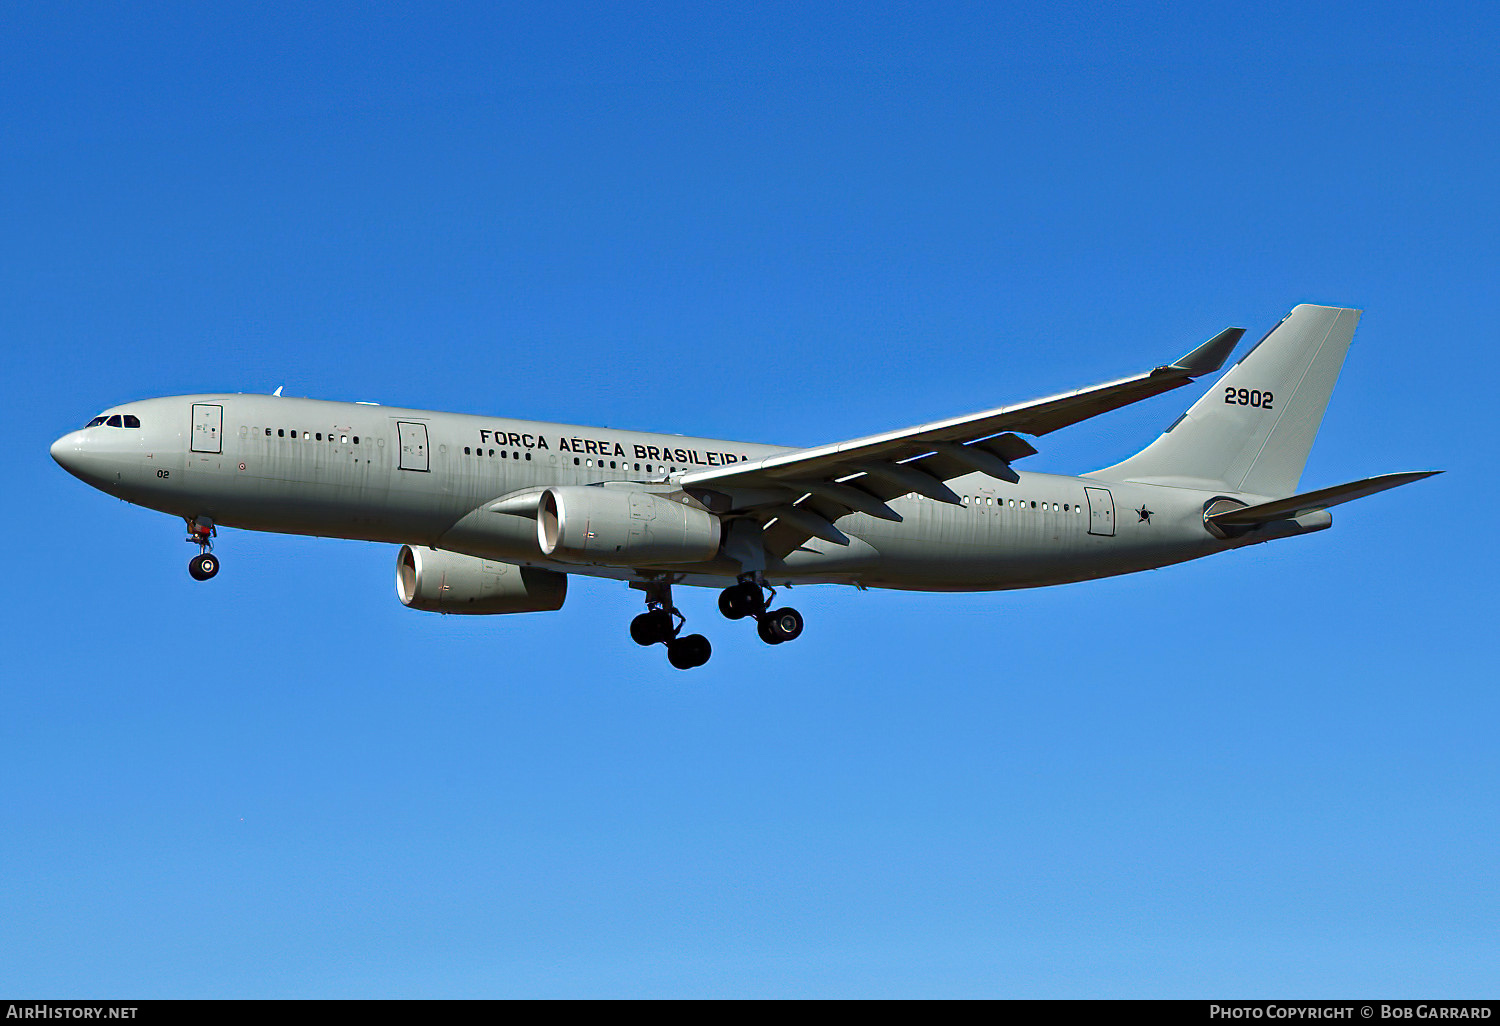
x: 437, y: 581
x: 623, y: 527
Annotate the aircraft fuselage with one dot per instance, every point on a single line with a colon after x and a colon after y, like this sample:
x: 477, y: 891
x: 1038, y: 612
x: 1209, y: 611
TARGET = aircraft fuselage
x: 377, y: 473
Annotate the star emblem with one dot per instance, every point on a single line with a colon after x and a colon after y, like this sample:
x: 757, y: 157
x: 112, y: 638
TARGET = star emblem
x: 1144, y: 513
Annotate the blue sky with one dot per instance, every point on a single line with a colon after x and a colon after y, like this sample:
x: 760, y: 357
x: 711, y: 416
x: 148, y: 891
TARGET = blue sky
x: 1269, y: 773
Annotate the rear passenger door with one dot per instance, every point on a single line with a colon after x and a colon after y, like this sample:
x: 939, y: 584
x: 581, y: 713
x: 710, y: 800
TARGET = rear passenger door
x: 1101, y: 511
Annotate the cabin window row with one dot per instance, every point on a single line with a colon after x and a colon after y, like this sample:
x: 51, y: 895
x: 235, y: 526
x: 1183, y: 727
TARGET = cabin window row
x: 981, y: 501
x: 621, y: 465
x: 505, y: 454
x: 308, y: 436
x: 588, y: 463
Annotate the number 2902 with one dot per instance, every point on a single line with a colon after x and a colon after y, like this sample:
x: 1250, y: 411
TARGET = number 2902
x: 1248, y: 397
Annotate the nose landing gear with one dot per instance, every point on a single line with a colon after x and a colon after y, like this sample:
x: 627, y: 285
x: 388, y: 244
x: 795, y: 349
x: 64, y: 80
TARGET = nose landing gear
x: 662, y: 624
x: 750, y: 598
x: 205, y: 564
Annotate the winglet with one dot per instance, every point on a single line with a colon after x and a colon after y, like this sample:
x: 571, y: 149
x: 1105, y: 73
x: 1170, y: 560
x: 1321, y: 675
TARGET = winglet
x: 1210, y: 356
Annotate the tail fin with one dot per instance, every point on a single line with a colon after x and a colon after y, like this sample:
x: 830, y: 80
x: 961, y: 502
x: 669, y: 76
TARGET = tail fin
x: 1253, y: 430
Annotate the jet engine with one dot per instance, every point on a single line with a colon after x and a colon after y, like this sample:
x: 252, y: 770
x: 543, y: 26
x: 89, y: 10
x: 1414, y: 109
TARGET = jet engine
x: 623, y: 527
x: 436, y: 581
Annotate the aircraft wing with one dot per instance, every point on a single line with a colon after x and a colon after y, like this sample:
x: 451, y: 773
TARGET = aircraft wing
x: 800, y: 494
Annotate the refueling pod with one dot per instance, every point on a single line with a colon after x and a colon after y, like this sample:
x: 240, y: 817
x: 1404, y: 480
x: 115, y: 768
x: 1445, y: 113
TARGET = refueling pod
x: 624, y: 527
x: 437, y: 581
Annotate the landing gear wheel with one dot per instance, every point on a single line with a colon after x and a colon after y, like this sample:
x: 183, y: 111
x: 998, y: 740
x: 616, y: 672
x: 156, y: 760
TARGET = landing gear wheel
x: 686, y: 653
x: 741, y: 600
x: 651, y: 628
x: 203, y: 566
x: 780, y: 626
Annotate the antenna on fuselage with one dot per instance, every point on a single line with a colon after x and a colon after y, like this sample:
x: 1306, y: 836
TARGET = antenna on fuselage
x: 277, y: 393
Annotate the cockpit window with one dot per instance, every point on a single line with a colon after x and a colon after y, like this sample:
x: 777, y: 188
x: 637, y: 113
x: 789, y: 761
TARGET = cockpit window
x: 132, y: 421
x: 114, y: 421
x: 94, y: 423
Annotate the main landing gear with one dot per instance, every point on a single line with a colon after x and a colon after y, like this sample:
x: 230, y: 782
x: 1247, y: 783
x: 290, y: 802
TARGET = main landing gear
x: 749, y: 598
x: 662, y: 624
x: 205, y: 564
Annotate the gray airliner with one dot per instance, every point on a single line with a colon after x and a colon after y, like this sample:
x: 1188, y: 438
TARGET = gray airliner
x: 492, y: 514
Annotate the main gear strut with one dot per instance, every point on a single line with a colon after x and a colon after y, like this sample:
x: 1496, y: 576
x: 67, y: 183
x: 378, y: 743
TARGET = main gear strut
x: 662, y: 624
x: 751, y: 596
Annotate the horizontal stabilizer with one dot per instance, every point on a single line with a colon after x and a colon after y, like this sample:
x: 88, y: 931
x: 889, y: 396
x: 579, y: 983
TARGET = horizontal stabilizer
x: 1297, y: 505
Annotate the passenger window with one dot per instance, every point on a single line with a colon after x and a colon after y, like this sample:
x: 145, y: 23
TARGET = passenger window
x: 466, y: 450
x: 280, y: 432
x: 575, y: 461
x: 356, y: 439
x: 306, y: 437
x: 132, y: 421
x: 528, y: 455
x: 113, y: 421
x: 343, y: 439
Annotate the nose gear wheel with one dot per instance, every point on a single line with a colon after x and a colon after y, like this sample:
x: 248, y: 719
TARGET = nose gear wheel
x: 201, y: 532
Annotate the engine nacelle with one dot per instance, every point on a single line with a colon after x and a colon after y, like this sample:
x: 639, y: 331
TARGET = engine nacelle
x: 436, y: 581
x: 623, y: 527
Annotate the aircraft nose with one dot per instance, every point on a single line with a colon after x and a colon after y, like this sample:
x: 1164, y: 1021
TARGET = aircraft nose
x: 65, y: 451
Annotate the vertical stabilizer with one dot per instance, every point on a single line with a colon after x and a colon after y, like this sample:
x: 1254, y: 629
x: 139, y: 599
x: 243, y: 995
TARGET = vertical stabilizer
x: 1253, y: 430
